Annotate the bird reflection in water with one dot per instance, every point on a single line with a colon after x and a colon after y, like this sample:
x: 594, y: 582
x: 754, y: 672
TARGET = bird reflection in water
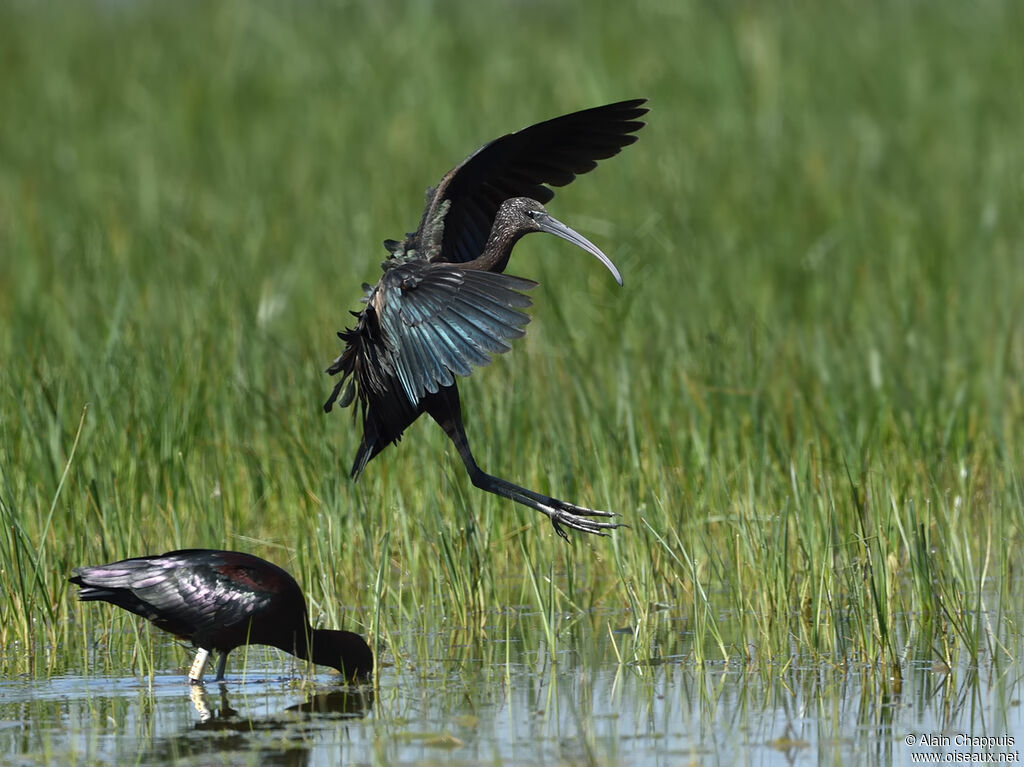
x: 284, y: 739
x: 348, y: 702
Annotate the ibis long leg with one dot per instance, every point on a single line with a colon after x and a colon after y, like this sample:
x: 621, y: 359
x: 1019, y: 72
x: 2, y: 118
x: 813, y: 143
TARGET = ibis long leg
x: 195, y: 674
x: 221, y: 665
x: 444, y: 407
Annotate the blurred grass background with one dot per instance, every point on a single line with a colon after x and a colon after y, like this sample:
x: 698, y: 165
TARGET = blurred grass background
x: 806, y: 401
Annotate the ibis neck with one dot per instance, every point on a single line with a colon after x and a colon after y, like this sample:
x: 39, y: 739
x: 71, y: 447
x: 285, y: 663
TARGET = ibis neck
x: 497, y: 251
x: 304, y: 644
x: 337, y: 649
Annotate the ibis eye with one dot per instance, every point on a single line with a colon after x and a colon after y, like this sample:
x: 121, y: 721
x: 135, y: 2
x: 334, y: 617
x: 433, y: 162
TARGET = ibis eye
x: 533, y: 213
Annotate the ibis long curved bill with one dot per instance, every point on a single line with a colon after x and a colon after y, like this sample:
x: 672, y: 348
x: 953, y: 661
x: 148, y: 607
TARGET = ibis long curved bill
x: 548, y: 223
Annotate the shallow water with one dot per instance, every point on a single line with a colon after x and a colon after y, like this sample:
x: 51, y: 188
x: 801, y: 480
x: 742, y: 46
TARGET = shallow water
x: 517, y: 707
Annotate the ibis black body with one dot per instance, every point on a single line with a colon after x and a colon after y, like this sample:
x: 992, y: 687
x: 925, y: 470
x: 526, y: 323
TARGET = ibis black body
x: 220, y: 600
x: 444, y: 306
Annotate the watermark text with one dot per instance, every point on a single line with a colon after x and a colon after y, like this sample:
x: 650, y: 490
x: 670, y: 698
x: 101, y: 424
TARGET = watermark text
x: 962, y: 748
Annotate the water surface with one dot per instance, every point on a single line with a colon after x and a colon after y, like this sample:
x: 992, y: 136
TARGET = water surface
x: 516, y: 706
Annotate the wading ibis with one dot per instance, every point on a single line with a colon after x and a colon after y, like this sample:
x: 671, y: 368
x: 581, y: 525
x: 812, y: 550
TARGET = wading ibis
x: 221, y: 600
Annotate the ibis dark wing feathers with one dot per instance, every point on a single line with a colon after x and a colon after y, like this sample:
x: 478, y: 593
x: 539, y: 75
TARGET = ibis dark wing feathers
x: 423, y: 325
x: 521, y: 164
x: 173, y: 591
x: 443, y: 320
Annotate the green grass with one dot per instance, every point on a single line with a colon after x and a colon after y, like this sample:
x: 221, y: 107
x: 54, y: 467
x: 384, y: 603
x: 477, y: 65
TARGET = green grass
x: 806, y: 401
